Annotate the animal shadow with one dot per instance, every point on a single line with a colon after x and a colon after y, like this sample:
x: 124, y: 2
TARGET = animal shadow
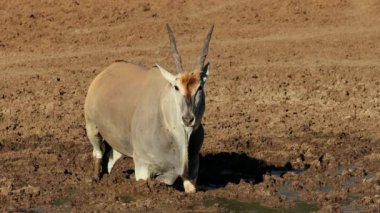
x: 217, y: 170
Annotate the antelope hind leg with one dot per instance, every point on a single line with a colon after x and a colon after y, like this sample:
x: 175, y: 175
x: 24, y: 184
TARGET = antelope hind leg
x: 97, y: 153
x: 114, y: 156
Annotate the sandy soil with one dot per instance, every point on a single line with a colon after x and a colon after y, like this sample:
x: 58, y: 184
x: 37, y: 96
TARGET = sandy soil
x: 293, y: 103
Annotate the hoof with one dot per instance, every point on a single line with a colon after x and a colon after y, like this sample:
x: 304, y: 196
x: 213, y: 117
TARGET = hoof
x: 189, y: 187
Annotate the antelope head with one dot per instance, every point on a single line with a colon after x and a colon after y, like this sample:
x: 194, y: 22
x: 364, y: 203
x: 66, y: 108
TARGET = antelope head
x: 188, y: 85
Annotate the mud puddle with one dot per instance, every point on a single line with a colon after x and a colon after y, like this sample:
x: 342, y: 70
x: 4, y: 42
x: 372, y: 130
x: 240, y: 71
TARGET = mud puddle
x: 238, y: 206
x: 123, y: 198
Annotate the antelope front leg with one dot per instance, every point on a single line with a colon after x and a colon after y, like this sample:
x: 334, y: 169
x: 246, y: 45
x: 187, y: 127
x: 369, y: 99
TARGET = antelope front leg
x: 190, y: 183
x: 189, y: 186
x: 141, y: 170
x: 191, y: 180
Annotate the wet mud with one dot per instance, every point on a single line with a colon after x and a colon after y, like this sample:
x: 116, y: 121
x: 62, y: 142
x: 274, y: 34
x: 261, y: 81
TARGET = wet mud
x: 292, y: 103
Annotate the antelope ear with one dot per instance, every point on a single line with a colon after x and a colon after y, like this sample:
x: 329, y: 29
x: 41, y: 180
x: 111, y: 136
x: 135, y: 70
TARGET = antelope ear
x: 204, y: 73
x: 167, y: 75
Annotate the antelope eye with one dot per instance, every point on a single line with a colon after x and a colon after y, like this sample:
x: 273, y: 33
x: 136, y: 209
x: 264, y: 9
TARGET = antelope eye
x: 176, y: 87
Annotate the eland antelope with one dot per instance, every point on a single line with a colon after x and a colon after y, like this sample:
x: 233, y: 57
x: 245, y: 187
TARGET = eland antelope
x: 150, y: 115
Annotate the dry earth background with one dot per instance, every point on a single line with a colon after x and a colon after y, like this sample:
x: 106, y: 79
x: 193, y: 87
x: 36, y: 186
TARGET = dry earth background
x: 293, y: 106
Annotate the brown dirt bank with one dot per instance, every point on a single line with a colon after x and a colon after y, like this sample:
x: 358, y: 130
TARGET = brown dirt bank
x: 292, y: 112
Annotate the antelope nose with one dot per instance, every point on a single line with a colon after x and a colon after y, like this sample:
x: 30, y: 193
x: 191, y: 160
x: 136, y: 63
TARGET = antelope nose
x: 188, y: 120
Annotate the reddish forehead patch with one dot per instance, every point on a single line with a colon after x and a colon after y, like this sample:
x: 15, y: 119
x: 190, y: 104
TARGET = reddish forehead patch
x: 188, y: 82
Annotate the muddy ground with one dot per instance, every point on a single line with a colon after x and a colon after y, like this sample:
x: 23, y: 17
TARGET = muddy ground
x: 293, y: 106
